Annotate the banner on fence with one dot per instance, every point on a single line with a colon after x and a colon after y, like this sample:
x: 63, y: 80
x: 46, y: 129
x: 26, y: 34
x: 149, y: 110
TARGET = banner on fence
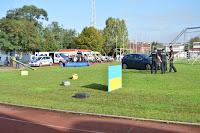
x: 114, y: 77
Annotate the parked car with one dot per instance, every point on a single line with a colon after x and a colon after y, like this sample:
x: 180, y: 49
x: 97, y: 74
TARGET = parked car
x: 42, y: 60
x: 27, y: 58
x: 107, y: 59
x: 89, y: 58
x: 137, y: 61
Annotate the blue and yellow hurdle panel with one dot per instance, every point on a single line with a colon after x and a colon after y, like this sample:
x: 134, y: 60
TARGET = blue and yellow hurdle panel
x: 114, y: 77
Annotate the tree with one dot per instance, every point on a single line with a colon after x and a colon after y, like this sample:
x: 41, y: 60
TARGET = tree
x: 20, y: 34
x: 49, y: 43
x: 115, y: 29
x: 154, y: 44
x: 29, y: 13
x: 195, y: 39
x: 69, y: 39
x: 5, y: 43
x: 90, y: 38
x: 57, y: 32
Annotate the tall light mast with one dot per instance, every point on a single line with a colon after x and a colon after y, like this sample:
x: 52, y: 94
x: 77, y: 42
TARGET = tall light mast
x: 93, y: 14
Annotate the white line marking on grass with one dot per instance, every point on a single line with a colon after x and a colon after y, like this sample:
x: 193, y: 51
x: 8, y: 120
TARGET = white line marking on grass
x: 22, y: 121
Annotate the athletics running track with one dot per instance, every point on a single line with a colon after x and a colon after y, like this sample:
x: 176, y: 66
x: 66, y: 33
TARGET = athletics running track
x: 24, y: 120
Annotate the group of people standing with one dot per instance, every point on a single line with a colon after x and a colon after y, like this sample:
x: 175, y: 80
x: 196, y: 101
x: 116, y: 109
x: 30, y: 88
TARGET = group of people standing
x: 163, y: 59
x: 9, y: 62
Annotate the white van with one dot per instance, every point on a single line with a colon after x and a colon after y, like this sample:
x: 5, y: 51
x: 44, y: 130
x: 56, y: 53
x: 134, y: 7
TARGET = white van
x: 27, y: 58
x: 41, y: 54
x: 56, y: 56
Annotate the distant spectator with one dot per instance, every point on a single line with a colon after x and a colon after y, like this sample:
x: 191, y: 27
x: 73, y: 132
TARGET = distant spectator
x: 11, y: 62
x: 17, y: 64
x: 84, y: 57
x: 7, y: 62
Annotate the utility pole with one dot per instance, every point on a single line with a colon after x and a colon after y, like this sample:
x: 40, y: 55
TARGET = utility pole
x: 123, y: 44
x: 130, y: 46
x: 133, y: 46
x: 116, y: 46
x: 93, y: 14
x: 62, y: 37
x: 142, y: 44
x: 136, y: 43
x: 150, y: 43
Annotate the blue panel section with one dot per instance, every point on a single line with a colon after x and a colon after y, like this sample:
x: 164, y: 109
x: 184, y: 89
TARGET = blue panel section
x: 72, y: 64
x: 114, y: 71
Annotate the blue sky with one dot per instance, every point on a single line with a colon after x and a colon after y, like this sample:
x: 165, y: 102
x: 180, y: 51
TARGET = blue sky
x: 163, y: 20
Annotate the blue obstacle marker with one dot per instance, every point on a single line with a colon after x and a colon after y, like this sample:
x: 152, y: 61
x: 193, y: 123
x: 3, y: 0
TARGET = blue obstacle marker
x: 75, y: 64
x: 114, y: 77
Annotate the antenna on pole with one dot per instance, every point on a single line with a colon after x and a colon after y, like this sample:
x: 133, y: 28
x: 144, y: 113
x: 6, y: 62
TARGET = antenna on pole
x: 93, y: 14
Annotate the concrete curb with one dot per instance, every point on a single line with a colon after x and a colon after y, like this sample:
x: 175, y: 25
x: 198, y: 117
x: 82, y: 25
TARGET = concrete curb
x: 103, y: 115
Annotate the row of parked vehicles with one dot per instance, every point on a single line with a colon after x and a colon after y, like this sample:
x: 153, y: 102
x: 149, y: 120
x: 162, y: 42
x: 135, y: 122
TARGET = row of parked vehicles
x: 135, y: 61
x: 49, y: 58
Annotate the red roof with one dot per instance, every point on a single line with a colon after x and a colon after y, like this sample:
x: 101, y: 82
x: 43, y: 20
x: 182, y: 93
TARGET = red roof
x: 195, y: 49
x: 74, y: 50
x: 84, y: 50
x: 67, y: 50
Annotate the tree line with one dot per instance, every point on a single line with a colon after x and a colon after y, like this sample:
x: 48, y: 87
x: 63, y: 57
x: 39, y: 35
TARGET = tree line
x: 22, y: 29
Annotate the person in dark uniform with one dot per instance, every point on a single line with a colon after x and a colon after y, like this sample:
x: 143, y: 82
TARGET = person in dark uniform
x: 164, y: 61
x: 155, y: 58
x: 171, y: 57
x: 17, y: 64
x: 7, y: 62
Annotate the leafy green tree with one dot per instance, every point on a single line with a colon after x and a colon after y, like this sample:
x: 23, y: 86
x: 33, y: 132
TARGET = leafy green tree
x: 115, y: 29
x: 50, y: 43
x: 154, y: 44
x: 22, y: 34
x: 69, y: 39
x: 29, y: 13
x: 90, y: 38
x: 57, y: 32
x: 195, y: 39
x: 5, y: 43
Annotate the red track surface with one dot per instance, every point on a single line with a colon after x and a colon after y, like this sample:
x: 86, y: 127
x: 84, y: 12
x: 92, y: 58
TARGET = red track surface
x: 23, y: 120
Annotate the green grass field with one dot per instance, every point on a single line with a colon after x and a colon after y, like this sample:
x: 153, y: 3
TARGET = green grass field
x: 6, y: 68
x: 173, y: 96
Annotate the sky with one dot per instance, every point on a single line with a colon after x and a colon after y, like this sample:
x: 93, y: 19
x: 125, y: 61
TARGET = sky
x: 146, y: 20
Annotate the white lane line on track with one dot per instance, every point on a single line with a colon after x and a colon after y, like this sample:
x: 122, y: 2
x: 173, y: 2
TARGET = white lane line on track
x: 82, y: 130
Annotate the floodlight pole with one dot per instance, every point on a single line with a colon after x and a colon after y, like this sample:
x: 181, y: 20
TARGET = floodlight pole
x: 150, y: 43
x: 184, y: 48
x: 142, y: 44
x: 123, y: 44
x: 130, y: 47
x: 116, y: 46
x: 136, y: 43
x: 133, y: 46
x: 120, y: 55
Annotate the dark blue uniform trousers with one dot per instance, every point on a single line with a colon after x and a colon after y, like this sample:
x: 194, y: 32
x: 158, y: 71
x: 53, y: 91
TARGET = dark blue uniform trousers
x: 154, y: 65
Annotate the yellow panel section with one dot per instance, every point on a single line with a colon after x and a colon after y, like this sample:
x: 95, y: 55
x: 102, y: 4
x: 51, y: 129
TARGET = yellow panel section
x: 115, y: 83
x: 24, y: 72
